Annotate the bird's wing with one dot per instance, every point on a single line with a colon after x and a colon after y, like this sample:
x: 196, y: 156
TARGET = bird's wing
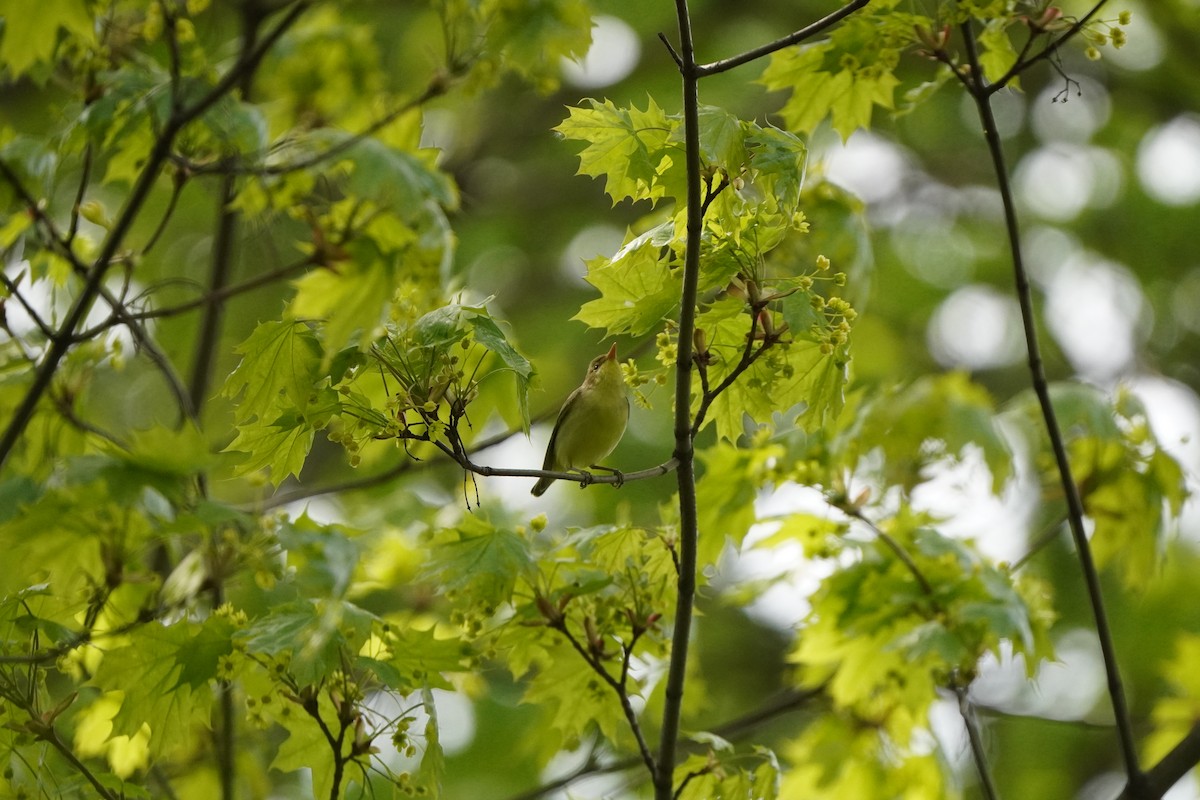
x: 562, y: 414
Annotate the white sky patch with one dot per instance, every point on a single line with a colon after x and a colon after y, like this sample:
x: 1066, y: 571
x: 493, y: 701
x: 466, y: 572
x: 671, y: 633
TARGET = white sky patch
x: 612, y: 57
x: 1174, y: 413
x: 587, y: 244
x: 976, y: 327
x: 1068, y: 688
x: 960, y: 493
x: 868, y: 165
x: 1093, y: 309
x: 1168, y: 161
x: 1060, y: 180
x: 1074, y: 117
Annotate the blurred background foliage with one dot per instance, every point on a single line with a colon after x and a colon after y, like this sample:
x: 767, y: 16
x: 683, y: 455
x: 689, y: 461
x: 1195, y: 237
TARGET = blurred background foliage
x: 1106, y: 162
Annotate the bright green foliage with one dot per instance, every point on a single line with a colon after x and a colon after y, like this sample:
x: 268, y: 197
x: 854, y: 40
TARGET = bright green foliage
x: 885, y: 635
x: 636, y: 152
x: 929, y: 422
x: 842, y: 758
x: 280, y: 408
x: 724, y: 774
x: 730, y: 477
x: 637, y: 290
x: 802, y: 379
x: 30, y: 40
x: 1130, y: 488
x: 557, y: 608
x: 153, y: 581
x: 1176, y: 714
x: 165, y: 674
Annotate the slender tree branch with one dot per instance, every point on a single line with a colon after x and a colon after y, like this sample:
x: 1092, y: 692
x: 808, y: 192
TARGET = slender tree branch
x: 1075, y: 512
x: 143, y: 184
x: 1159, y: 779
x: 1040, y: 543
x: 900, y: 553
x: 785, y: 703
x: 438, y: 85
x: 801, y: 35
x: 51, y: 737
x: 691, y: 776
x: 986, y: 784
x: 67, y: 411
x: 120, y: 314
x: 584, y: 478
x: 618, y: 686
x: 84, y: 179
x: 257, y: 282
x: 15, y: 291
x: 749, y: 356
x: 1049, y: 50
x: 168, y: 212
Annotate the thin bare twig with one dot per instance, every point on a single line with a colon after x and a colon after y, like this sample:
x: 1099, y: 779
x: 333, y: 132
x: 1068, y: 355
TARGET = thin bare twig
x: 15, y: 291
x: 900, y: 553
x: 799, y: 36
x: 1049, y: 50
x: 618, y: 686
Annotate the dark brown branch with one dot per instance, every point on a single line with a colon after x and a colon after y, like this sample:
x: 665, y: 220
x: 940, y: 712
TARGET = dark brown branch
x: 617, y: 686
x: 981, y: 94
x: 1158, y: 780
x: 685, y: 455
x: 799, y: 36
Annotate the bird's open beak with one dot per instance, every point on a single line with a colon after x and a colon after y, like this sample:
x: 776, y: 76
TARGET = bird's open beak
x: 612, y: 352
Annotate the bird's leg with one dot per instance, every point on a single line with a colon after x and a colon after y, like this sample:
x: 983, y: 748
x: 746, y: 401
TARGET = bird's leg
x: 616, y: 473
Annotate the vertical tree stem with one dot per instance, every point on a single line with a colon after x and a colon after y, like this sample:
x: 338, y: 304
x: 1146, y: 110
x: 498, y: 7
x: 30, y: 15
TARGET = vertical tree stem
x: 981, y: 95
x: 684, y: 453
x: 226, y: 233
x: 206, y: 347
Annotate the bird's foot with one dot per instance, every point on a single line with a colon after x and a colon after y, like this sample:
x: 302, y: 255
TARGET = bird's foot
x: 618, y: 476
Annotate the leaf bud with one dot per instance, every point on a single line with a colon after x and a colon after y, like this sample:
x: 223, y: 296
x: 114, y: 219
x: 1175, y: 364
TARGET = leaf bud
x: 95, y: 212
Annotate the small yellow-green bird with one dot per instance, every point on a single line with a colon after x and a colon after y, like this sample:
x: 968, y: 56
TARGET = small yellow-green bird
x: 591, y: 421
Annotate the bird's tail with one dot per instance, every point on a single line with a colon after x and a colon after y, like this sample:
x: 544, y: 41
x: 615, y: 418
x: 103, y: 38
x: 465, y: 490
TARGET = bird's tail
x: 541, y: 486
